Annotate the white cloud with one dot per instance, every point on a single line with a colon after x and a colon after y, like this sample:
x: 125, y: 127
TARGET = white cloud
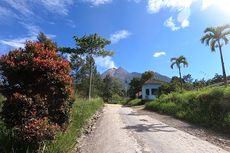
x: 20, y: 42
x: 26, y: 7
x: 117, y: 36
x: 105, y: 62
x: 16, y: 43
x: 207, y: 3
x: 57, y: 6
x: 5, y: 14
x: 32, y: 33
x: 221, y: 5
x: 170, y: 24
x: 21, y: 6
x: 158, y: 54
x: 183, y: 17
x: 33, y: 30
x: 155, y: 6
x: 182, y: 7
x: 185, y: 23
x: 98, y: 2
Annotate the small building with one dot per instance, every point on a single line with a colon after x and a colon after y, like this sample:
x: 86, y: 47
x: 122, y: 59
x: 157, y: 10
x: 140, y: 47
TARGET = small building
x: 150, y: 89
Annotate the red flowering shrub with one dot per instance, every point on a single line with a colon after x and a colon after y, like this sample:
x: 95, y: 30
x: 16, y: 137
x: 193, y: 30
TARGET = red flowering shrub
x: 38, y: 88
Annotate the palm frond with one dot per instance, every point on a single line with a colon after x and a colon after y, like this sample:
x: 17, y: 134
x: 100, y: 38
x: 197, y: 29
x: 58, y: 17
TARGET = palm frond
x: 206, y: 38
x: 224, y: 27
x: 225, y: 33
x: 226, y: 41
x: 210, y: 29
x: 173, y: 59
x: 181, y: 58
x: 172, y: 65
x: 213, y: 45
x: 185, y: 63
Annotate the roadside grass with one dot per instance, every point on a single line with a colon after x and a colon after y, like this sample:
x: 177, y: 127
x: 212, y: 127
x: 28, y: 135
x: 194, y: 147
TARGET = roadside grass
x: 133, y: 102
x: 209, y: 107
x: 81, y: 112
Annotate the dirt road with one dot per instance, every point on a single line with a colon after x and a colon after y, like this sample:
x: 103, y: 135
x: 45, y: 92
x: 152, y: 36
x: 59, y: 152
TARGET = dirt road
x: 124, y: 130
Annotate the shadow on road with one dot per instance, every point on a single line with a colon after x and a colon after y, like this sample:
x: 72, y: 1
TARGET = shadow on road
x: 149, y: 128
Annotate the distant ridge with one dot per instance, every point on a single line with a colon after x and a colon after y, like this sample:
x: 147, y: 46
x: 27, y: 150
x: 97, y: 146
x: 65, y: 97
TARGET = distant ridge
x: 126, y: 77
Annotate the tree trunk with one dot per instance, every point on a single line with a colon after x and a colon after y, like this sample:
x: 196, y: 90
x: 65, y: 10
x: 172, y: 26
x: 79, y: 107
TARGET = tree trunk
x: 181, y: 85
x: 222, y: 62
x: 90, y: 78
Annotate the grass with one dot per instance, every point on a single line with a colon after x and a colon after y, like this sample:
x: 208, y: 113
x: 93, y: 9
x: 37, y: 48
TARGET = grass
x: 81, y: 112
x: 209, y: 107
x: 133, y: 102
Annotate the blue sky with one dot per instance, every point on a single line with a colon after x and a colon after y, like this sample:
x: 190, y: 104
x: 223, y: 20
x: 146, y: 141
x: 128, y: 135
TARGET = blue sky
x: 145, y: 34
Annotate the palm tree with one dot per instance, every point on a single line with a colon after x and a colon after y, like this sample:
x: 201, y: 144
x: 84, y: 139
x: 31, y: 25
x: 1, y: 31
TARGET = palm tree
x: 178, y: 62
x: 216, y: 37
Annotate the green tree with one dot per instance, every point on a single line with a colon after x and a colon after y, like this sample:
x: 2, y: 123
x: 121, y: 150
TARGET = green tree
x: 48, y: 43
x: 188, y: 80
x: 198, y: 84
x: 92, y: 46
x: 112, y: 89
x: 107, y: 89
x: 216, y: 37
x: 147, y: 76
x: 179, y: 62
x: 134, y: 87
x: 173, y: 86
x: 82, y: 77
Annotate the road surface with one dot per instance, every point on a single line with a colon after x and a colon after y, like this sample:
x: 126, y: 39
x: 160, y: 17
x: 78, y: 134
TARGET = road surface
x: 124, y: 130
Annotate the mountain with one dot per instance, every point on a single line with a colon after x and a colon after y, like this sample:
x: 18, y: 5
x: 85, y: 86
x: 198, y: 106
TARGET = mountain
x: 126, y: 77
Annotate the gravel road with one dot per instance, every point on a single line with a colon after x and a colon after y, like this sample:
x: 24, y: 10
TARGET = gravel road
x: 124, y: 130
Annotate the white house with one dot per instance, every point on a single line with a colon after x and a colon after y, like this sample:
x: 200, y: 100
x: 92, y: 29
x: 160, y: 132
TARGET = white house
x: 150, y: 89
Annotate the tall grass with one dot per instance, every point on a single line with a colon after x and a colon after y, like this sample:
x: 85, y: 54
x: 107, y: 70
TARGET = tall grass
x: 209, y: 107
x: 82, y: 110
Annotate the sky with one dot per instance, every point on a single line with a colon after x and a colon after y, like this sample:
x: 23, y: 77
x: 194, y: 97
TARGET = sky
x: 144, y: 34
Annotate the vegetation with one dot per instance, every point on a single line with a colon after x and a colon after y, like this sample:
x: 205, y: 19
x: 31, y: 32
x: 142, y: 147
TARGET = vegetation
x: 89, y: 46
x: 216, y: 37
x: 133, y: 102
x: 48, y: 43
x: 178, y: 61
x: 82, y: 110
x: 209, y: 107
x: 37, y: 106
x: 173, y: 86
x: 82, y: 78
x: 136, y: 83
x: 113, y: 90
x: 37, y: 113
x: 134, y: 87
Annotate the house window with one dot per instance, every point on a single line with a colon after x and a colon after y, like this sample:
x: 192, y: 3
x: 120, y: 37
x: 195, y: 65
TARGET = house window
x: 154, y: 91
x: 147, y: 92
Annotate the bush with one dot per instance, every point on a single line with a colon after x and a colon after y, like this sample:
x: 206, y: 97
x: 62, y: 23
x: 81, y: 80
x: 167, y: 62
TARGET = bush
x: 134, y: 102
x: 38, y: 89
x: 209, y: 107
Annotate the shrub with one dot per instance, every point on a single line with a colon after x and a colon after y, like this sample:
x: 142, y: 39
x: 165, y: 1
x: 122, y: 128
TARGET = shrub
x: 38, y: 89
x: 209, y: 107
x: 133, y: 102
